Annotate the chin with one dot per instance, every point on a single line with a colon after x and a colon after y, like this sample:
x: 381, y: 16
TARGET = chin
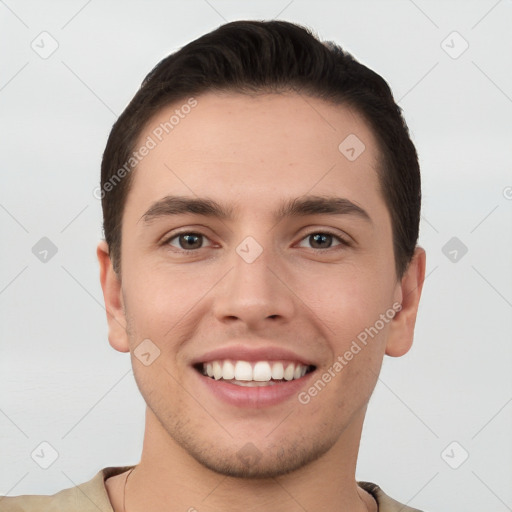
x: 251, y: 462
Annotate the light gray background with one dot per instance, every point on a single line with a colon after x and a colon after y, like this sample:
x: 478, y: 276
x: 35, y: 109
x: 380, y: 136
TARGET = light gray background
x: 60, y: 380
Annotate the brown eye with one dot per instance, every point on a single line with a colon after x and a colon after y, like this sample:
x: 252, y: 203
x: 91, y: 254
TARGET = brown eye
x: 321, y: 240
x: 187, y: 241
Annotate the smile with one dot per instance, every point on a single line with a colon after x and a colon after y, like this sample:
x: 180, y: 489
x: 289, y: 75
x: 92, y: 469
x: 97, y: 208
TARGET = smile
x: 252, y: 374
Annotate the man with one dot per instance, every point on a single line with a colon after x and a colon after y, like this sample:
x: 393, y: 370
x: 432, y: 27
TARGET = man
x: 261, y: 201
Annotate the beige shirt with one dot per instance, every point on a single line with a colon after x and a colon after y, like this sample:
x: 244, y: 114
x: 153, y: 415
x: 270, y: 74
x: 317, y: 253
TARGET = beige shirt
x: 92, y: 496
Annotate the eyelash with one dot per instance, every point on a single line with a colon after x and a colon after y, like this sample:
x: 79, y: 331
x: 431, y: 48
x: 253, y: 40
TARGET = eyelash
x: 342, y: 241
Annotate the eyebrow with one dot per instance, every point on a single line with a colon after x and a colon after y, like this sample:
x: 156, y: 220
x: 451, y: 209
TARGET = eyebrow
x: 302, y: 206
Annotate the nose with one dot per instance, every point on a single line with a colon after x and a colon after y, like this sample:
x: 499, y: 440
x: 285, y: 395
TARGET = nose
x: 255, y: 293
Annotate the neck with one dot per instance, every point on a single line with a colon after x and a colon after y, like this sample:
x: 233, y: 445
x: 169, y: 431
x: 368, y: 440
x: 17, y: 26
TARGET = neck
x: 168, y: 475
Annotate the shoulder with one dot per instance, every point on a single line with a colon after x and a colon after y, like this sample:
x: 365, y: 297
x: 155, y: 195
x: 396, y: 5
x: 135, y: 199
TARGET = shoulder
x: 385, y: 502
x: 90, y: 496
x: 63, y: 500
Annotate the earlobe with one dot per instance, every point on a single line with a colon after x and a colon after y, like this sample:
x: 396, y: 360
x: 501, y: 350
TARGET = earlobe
x: 112, y: 295
x: 401, y: 331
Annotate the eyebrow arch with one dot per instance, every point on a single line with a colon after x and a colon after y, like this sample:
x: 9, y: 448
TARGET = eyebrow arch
x: 302, y: 206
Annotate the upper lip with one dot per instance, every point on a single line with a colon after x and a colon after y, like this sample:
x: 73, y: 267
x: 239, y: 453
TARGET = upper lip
x: 251, y: 354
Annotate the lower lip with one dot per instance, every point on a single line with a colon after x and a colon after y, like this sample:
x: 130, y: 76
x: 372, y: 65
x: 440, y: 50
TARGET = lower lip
x: 254, y: 397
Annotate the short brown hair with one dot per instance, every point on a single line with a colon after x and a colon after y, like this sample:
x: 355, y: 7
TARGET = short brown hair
x: 270, y: 56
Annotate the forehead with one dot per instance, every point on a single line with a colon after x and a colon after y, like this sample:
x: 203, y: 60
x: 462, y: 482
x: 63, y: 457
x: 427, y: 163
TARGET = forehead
x: 263, y: 146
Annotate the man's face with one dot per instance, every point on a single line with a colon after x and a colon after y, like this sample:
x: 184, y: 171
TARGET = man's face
x: 254, y: 286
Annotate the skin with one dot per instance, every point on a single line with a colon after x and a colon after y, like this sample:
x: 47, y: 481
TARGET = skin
x: 252, y: 153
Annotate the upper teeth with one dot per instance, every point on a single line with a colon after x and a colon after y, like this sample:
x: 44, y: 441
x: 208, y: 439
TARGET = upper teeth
x: 261, y: 371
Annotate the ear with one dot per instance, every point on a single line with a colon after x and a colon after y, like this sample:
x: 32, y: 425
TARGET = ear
x: 112, y: 295
x: 408, y: 293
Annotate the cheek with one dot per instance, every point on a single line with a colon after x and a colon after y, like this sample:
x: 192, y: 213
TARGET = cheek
x: 346, y: 299
x: 149, y: 311
x: 161, y: 302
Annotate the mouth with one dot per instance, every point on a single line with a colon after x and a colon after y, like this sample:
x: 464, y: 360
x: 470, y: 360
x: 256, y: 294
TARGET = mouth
x: 253, y: 373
